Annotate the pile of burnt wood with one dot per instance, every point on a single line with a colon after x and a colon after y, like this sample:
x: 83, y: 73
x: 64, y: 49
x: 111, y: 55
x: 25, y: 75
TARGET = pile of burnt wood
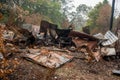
x: 57, y: 36
x: 68, y: 38
x: 92, y: 46
x: 62, y: 38
x: 17, y: 36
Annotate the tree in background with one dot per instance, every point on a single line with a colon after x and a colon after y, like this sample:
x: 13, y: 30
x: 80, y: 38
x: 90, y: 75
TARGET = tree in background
x: 117, y: 33
x: 99, y: 17
x: 66, y: 6
x: 49, y: 9
x: 103, y: 20
x: 93, y: 14
x: 80, y: 17
x: 10, y: 10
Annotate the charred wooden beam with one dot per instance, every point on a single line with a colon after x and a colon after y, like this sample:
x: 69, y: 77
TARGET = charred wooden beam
x: 46, y: 26
x: 82, y: 35
x: 63, y: 32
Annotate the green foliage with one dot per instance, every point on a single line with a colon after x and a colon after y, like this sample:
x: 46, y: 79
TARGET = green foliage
x: 46, y: 8
x: 7, y: 8
x: 94, y: 14
x: 80, y: 16
x: 49, y: 8
x: 83, y: 9
x: 105, y: 2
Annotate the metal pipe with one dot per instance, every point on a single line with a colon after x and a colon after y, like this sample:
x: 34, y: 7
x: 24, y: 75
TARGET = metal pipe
x: 112, y: 14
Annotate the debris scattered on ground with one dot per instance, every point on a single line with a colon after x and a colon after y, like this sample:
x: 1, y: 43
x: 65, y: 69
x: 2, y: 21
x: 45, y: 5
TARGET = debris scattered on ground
x: 52, y: 52
x: 99, y: 36
x: 111, y: 38
x: 47, y: 58
x: 88, y: 43
x: 108, y: 51
x: 8, y: 35
x: 116, y: 72
x: 1, y: 56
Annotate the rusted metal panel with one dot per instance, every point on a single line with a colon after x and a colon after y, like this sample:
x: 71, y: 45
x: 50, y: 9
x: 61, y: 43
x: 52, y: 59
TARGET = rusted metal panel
x: 87, y: 42
x: 50, y: 59
x: 79, y: 42
x: 82, y: 35
x: 91, y: 45
x: 88, y: 47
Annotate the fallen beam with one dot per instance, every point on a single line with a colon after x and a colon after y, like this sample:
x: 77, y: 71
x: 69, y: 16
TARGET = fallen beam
x: 82, y: 35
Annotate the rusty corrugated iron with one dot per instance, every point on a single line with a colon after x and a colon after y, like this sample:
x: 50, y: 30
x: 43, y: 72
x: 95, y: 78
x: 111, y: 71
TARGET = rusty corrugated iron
x: 88, y: 43
x: 48, y: 58
x: 82, y: 35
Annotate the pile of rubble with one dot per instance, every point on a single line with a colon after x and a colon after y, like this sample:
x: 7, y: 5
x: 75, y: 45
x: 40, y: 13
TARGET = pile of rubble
x: 94, y: 47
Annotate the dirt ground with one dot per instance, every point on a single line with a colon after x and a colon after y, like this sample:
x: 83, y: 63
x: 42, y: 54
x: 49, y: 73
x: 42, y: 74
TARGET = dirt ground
x: 77, y: 69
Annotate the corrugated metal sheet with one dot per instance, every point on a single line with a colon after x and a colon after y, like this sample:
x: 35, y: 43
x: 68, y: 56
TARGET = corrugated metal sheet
x: 51, y: 59
x: 99, y: 36
x: 111, y: 38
